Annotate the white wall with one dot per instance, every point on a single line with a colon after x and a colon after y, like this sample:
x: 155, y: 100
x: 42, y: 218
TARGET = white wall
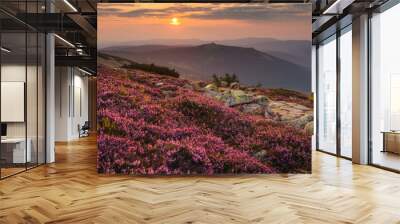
x: 14, y: 72
x: 80, y: 110
x: 71, y: 94
x: 62, y: 82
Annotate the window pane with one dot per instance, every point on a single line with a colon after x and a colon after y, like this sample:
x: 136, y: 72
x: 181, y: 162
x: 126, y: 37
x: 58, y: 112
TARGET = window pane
x: 314, y: 88
x: 385, y: 87
x: 327, y: 96
x: 346, y: 94
x: 41, y: 98
x: 31, y: 97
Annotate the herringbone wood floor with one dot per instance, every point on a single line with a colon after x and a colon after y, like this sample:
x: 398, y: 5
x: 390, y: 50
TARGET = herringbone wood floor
x: 70, y: 191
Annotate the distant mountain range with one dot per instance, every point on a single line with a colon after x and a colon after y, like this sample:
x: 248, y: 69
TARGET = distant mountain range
x: 251, y: 65
x: 295, y: 51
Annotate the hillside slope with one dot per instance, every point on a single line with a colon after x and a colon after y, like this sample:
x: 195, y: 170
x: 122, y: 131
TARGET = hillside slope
x: 154, y: 124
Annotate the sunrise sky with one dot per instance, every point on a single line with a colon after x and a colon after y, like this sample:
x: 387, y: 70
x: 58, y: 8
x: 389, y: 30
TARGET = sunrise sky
x: 119, y: 23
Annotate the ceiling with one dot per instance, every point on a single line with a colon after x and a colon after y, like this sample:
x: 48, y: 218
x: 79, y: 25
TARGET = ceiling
x: 331, y: 15
x: 75, y: 21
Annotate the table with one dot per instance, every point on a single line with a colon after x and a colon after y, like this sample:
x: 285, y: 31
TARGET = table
x: 391, y: 141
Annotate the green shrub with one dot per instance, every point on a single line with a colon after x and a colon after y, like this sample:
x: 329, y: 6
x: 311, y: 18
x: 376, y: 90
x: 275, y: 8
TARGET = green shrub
x: 110, y: 127
x: 228, y: 78
x: 161, y: 70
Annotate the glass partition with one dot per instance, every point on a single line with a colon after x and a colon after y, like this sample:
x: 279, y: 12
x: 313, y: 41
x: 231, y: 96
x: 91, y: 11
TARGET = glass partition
x: 327, y: 96
x: 22, y: 88
x: 13, y: 94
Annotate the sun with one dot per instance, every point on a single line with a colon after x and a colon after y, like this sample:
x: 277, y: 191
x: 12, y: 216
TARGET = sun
x: 175, y: 21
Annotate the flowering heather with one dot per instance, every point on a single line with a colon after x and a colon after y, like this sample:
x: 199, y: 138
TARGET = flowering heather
x: 151, y: 124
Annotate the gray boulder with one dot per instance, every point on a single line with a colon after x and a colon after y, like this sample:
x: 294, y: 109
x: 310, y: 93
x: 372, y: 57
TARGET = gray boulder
x: 260, y: 99
x: 302, y: 121
x: 309, y: 128
x: 240, y: 97
x: 234, y: 85
x: 253, y: 108
x: 212, y: 87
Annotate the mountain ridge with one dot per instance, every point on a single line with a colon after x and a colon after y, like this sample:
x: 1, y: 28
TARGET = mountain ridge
x: 295, y: 51
x: 252, y: 66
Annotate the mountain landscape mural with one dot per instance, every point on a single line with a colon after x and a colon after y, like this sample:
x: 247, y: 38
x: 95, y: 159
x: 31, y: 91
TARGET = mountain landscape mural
x: 200, y: 106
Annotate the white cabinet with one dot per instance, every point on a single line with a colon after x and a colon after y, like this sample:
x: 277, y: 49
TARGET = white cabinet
x: 17, y: 146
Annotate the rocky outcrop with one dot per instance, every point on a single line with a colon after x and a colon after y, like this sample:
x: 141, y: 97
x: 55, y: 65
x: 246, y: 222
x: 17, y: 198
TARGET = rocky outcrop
x: 252, y: 108
x: 309, y: 128
x: 249, y: 101
x: 234, y: 85
x: 231, y: 97
x: 288, y: 111
x: 211, y: 87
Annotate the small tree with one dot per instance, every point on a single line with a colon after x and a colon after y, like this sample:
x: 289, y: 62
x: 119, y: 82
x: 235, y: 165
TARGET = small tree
x: 235, y: 78
x: 216, y: 80
x: 228, y: 78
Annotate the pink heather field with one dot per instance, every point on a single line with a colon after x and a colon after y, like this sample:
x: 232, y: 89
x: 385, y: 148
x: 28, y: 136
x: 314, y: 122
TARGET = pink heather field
x: 151, y: 124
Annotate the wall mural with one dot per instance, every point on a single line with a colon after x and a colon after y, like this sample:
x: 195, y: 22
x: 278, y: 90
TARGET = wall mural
x: 203, y: 89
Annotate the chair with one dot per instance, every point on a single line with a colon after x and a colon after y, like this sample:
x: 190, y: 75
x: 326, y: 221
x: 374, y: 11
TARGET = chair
x: 84, y: 130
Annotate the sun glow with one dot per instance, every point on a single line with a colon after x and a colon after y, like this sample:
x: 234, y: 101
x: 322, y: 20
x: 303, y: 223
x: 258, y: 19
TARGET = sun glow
x: 175, y: 21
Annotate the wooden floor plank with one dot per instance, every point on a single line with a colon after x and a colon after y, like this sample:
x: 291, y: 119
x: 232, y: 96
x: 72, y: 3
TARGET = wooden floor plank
x: 70, y: 191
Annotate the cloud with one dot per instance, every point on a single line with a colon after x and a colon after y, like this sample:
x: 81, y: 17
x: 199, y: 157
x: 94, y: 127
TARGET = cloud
x: 258, y: 12
x: 162, y: 13
x: 109, y: 11
x: 235, y: 11
x: 148, y: 9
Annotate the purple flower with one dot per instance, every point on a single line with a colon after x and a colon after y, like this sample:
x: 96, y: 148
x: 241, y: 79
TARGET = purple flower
x: 145, y: 127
